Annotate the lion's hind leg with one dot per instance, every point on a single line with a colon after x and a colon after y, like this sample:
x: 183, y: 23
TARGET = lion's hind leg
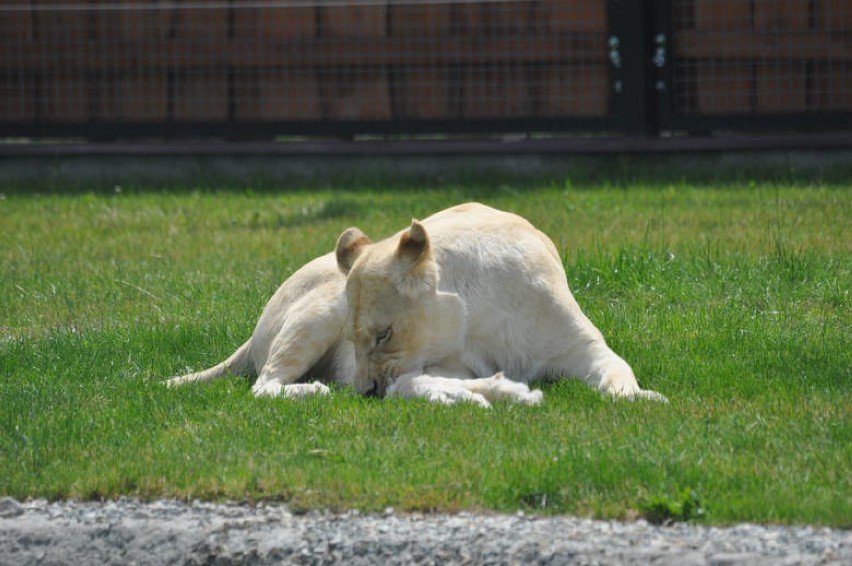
x: 312, y: 332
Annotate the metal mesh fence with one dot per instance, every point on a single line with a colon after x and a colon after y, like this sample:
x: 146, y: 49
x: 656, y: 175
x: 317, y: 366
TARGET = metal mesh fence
x: 64, y: 61
x: 755, y: 57
x: 165, y: 67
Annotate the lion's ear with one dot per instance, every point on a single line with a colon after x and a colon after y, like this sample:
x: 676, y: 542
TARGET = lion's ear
x: 350, y: 244
x: 414, y: 243
x: 418, y: 272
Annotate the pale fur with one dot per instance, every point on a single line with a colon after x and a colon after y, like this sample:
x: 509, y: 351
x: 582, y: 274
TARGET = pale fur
x: 471, y: 304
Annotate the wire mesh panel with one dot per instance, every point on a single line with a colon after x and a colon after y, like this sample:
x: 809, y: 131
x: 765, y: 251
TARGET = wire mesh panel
x: 244, y: 68
x: 389, y: 64
x: 761, y: 57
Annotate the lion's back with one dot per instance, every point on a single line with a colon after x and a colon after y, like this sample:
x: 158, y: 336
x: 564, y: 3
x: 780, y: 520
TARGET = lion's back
x: 476, y: 238
x: 469, y: 216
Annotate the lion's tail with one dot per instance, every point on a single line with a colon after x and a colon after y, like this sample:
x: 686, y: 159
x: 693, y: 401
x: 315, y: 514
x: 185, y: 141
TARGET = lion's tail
x: 236, y: 364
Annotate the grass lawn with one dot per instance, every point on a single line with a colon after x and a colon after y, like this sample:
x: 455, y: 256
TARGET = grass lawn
x: 731, y: 299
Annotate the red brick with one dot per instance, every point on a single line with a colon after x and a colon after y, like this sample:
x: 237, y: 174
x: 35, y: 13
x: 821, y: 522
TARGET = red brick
x: 133, y: 24
x: 278, y: 95
x: 201, y: 96
x: 575, y: 92
x: 275, y: 23
x: 356, y: 95
x: 424, y: 93
x: 137, y: 98
x: 496, y: 93
x: 781, y: 14
x: 723, y: 88
x: 65, y: 98
x: 420, y: 20
x: 571, y: 15
x: 59, y: 25
x: 781, y: 87
x: 354, y: 21
x: 17, y: 99
x: 832, y: 87
x: 16, y: 27
x: 199, y: 22
x: 722, y: 14
x: 835, y: 15
x: 498, y: 18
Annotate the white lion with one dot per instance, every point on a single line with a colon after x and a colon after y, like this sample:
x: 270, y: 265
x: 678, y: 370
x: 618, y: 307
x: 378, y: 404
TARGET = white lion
x: 441, y: 310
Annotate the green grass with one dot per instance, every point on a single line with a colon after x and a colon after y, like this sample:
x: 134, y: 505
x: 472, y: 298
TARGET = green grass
x: 731, y: 299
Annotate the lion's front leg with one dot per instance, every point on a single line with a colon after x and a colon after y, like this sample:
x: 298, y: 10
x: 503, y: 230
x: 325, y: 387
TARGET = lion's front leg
x: 500, y: 388
x: 449, y: 390
x: 436, y: 389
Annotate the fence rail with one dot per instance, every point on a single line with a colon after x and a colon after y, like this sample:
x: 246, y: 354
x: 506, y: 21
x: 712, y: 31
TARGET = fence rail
x: 253, y: 69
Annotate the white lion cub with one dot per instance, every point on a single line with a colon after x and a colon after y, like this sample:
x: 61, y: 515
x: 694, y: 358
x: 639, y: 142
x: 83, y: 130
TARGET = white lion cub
x: 470, y: 304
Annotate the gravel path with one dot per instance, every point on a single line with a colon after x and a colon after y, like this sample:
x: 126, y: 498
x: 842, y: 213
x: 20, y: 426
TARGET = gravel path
x: 170, y: 532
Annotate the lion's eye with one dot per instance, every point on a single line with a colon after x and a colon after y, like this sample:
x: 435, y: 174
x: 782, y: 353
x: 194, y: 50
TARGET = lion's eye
x: 383, y: 336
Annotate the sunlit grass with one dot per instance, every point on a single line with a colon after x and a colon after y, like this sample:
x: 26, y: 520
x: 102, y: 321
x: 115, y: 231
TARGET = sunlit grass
x: 732, y: 300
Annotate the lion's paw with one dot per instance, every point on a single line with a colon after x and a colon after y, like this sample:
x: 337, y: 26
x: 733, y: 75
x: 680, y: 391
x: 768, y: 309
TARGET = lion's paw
x: 266, y: 388
x: 451, y: 396
x: 501, y: 387
x: 296, y: 390
x: 633, y: 392
x: 272, y: 388
x: 534, y: 397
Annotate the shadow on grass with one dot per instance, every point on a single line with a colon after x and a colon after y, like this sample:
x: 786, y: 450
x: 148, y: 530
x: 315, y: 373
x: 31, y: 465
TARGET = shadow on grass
x: 332, y: 209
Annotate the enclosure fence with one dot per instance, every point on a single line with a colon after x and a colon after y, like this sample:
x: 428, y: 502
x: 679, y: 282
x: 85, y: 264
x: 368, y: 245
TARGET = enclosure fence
x: 260, y: 69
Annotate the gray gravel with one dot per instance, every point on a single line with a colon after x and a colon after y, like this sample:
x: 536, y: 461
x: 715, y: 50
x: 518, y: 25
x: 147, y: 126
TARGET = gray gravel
x: 171, y: 532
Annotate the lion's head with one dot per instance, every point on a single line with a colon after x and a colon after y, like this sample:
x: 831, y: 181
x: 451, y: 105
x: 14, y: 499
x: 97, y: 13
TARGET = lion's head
x: 398, y: 320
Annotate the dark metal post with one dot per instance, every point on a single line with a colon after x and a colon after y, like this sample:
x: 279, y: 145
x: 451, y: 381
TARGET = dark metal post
x: 629, y: 49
